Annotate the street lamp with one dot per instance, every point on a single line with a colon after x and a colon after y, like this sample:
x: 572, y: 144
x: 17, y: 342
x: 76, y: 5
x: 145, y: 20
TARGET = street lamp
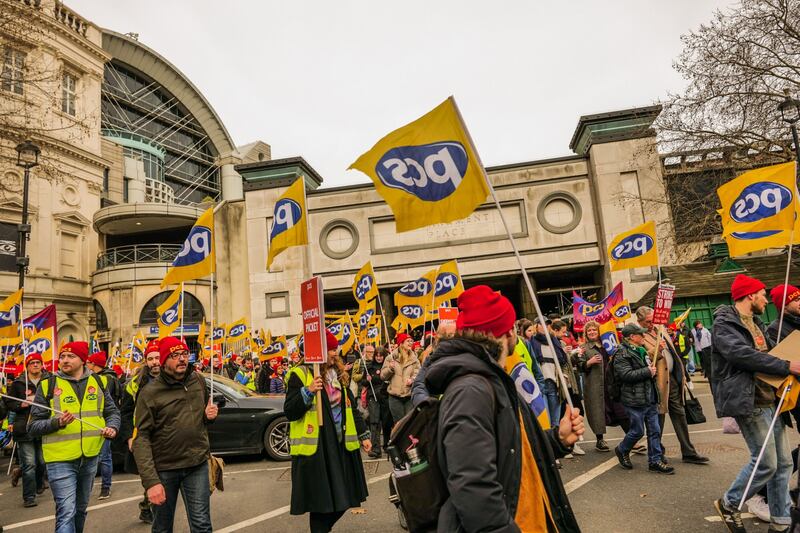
x: 27, y: 158
x: 790, y: 113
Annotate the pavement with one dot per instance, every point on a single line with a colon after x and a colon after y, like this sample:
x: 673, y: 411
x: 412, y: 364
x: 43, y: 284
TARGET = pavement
x: 605, y: 497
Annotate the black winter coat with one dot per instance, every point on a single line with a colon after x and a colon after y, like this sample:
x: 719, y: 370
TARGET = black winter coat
x: 333, y: 478
x: 790, y: 323
x: 735, y: 361
x: 637, y: 384
x: 22, y: 414
x: 480, y: 441
x: 374, y: 370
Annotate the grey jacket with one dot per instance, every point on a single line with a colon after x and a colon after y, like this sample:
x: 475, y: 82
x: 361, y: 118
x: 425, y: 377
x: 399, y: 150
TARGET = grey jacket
x: 42, y: 422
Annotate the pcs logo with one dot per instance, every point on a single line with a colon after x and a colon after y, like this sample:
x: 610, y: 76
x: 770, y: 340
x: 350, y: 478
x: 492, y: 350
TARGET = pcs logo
x: 445, y: 282
x: 364, y: 319
x: 632, y: 246
x: 754, y: 235
x: 431, y: 172
x: 10, y: 317
x: 196, y: 248
x: 363, y: 286
x: 237, y: 331
x: 760, y: 200
x: 372, y: 332
x: 287, y: 215
x: 275, y: 347
x: 415, y: 289
x: 621, y: 312
x: 39, y: 346
x: 411, y: 311
x: 170, y: 316
x: 218, y: 333
x: 609, y: 342
x: 591, y: 309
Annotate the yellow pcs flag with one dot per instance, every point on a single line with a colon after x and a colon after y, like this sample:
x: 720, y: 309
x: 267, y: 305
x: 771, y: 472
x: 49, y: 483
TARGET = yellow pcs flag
x: 427, y: 171
x: 342, y: 329
x: 634, y: 248
x: 290, y: 220
x: 448, y: 284
x: 10, y: 312
x: 622, y: 311
x: 170, y: 314
x: 41, y: 343
x: 238, y: 330
x: 365, y: 316
x: 275, y: 349
x: 418, y: 292
x: 365, y: 288
x: 196, y: 259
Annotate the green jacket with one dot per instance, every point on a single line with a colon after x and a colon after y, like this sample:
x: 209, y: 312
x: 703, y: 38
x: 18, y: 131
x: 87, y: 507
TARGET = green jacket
x: 170, y: 431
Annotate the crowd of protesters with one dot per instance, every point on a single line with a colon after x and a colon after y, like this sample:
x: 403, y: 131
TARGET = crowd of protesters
x: 365, y: 393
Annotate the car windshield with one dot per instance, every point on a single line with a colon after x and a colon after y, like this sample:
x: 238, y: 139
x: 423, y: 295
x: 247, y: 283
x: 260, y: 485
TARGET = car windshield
x: 229, y: 387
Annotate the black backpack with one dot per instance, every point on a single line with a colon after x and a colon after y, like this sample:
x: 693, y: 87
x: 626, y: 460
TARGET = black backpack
x: 612, y: 383
x: 421, y: 495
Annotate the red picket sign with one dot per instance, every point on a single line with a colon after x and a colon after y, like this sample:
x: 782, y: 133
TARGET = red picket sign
x: 663, y: 305
x: 314, y: 344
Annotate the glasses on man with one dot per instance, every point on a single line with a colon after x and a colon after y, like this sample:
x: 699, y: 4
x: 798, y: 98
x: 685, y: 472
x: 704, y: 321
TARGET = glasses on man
x: 182, y: 354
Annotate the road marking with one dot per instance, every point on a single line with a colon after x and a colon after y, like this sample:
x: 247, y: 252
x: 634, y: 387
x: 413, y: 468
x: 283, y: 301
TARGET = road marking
x: 717, y: 430
x: 53, y: 517
x: 586, y: 477
x: 717, y: 518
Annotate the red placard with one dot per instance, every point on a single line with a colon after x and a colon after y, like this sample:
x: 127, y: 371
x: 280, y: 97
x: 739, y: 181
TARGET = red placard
x: 663, y: 305
x: 314, y: 344
x: 448, y: 315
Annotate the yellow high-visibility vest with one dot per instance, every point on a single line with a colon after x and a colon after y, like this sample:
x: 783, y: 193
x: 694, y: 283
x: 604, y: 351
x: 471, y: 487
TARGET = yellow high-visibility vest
x: 304, y: 433
x: 76, y: 439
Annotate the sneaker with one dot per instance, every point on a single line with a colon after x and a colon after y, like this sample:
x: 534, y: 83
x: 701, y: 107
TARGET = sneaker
x: 731, y: 518
x: 577, y: 450
x: 696, y: 459
x: 602, y: 446
x: 569, y: 456
x: 773, y: 528
x: 660, y: 468
x: 105, y: 493
x: 146, y: 515
x: 624, y: 459
x: 29, y: 503
x: 41, y: 489
x: 759, y: 507
x: 16, y: 474
x: 558, y: 464
x: 641, y: 449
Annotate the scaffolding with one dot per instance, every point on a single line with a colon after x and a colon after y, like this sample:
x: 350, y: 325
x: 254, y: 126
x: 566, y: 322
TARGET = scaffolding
x: 135, y: 105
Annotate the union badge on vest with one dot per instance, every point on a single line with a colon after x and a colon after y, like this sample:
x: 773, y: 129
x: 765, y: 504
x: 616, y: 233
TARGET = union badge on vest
x: 309, y: 429
x: 57, y: 391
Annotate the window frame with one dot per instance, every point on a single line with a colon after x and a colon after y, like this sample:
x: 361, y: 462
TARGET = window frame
x: 66, y: 93
x: 12, y: 74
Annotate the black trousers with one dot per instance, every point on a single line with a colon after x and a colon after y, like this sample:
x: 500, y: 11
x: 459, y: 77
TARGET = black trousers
x: 323, y: 522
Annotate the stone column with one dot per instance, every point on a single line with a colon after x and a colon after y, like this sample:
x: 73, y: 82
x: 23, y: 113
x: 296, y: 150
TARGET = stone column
x: 232, y: 188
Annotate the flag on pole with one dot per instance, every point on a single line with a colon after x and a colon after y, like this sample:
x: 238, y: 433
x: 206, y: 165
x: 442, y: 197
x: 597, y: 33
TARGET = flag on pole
x: 218, y: 333
x: 196, y: 259
x: 527, y: 388
x: 94, y: 346
x: 10, y: 312
x: 238, y: 330
x: 634, y: 248
x: 276, y: 349
x: 790, y: 402
x: 266, y: 337
x: 448, y: 284
x: 170, y: 314
x: 41, y: 343
x: 372, y: 333
x: 342, y: 329
x: 608, y: 336
x: 365, y: 316
x: 418, y: 292
x: 682, y: 318
x: 409, y: 316
x: 428, y: 171
x: 621, y: 311
x: 289, y: 222
x: 365, y: 288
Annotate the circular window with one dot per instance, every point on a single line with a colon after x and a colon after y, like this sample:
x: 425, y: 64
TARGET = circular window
x: 338, y: 239
x: 559, y: 212
x: 70, y: 195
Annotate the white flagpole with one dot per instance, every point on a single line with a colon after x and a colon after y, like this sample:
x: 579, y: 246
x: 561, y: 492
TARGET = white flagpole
x: 51, y: 409
x: 180, y: 310
x: 212, y: 334
x: 383, y: 319
x: 531, y: 292
x: 361, y: 356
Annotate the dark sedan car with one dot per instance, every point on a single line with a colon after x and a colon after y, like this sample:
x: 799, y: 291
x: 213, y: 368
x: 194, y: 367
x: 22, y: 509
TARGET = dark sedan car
x: 248, y: 423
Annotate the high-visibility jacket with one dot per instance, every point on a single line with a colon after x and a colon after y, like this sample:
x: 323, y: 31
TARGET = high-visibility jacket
x: 304, y: 433
x: 246, y: 378
x: 76, y: 439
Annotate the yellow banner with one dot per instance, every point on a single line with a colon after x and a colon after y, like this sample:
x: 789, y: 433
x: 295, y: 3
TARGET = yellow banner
x: 196, y: 259
x: 418, y: 292
x: 365, y: 316
x: 365, y: 288
x: 761, y: 199
x: 10, y: 314
x: 41, y: 343
x: 289, y: 222
x: 427, y: 171
x: 238, y: 330
x: 634, y: 248
x: 448, y: 284
x: 170, y: 314
x: 622, y: 311
x: 342, y: 329
x: 277, y: 348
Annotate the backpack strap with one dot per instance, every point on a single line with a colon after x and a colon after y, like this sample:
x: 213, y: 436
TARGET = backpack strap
x: 51, y: 385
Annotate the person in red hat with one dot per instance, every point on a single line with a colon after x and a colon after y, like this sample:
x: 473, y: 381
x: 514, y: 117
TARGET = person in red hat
x: 32, y: 463
x: 500, y: 463
x: 399, y: 370
x: 144, y: 375
x: 327, y: 472
x: 84, y: 416
x: 97, y: 364
x: 739, y: 351
x: 787, y: 299
x: 170, y: 442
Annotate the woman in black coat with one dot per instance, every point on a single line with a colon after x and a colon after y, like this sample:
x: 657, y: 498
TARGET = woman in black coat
x: 332, y: 480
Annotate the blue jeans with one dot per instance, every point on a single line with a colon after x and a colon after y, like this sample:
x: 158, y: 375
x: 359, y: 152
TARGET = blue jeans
x: 71, y: 483
x: 193, y: 486
x: 553, y: 401
x: 641, y: 418
x: 774, y: 469
x: 33, y: 467
x: 106, y: 464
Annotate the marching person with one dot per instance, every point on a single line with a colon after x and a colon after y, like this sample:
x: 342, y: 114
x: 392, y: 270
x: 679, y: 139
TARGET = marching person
x: 791, y: 312
x: 70, y: 446
x: 499, y: 464
x: 170, y: 443
x: 739, y: 346
x: 246, y: 375
x: 549, y: 353
x: 702, y: 344
x: 144, y: 375
x: 30, y: 449
x: 400, y: 369
x: 380, y: 419
x: 636, y: 374
x: 593, y: 364
x: 327, y: 472
x: 418, y: 391
x: 670, y: 377
x: 97, y: 364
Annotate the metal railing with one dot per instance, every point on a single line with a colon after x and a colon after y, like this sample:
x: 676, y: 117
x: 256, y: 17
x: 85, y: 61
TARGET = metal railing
x: 138, y: 253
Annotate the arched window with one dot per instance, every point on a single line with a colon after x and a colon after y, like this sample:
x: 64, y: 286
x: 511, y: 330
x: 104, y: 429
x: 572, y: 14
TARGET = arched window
x: 192, y: 309
x: 100, y: 318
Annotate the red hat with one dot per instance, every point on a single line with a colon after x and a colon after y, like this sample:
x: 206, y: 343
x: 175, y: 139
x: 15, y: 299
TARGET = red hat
x: 331, y: 340
x: 117, y: 370
x: 169, y: 345
x: 401, y: 337
x: 416, y: 345
x: 152, y: 346
x: 483, y: 309
x: 744, y: 286
x: 78, y: 348
x: 792, y: 293
x: 98, y: 358
x: 33, y: 357
x: 234, y: 357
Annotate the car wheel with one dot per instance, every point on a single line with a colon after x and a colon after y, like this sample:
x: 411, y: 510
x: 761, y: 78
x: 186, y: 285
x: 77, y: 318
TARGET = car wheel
x: 276, y: 439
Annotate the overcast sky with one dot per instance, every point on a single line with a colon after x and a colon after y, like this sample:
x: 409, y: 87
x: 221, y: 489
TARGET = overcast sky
x: 327, y: 79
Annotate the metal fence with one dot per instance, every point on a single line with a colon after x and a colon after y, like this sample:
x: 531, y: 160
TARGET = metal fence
x: 139, y: 253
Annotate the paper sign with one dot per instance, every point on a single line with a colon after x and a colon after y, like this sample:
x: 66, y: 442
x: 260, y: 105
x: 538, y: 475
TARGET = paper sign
x: 313, y: 306
x: 663, y: 305
x: 448, y: 315
x: 789, y: 350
